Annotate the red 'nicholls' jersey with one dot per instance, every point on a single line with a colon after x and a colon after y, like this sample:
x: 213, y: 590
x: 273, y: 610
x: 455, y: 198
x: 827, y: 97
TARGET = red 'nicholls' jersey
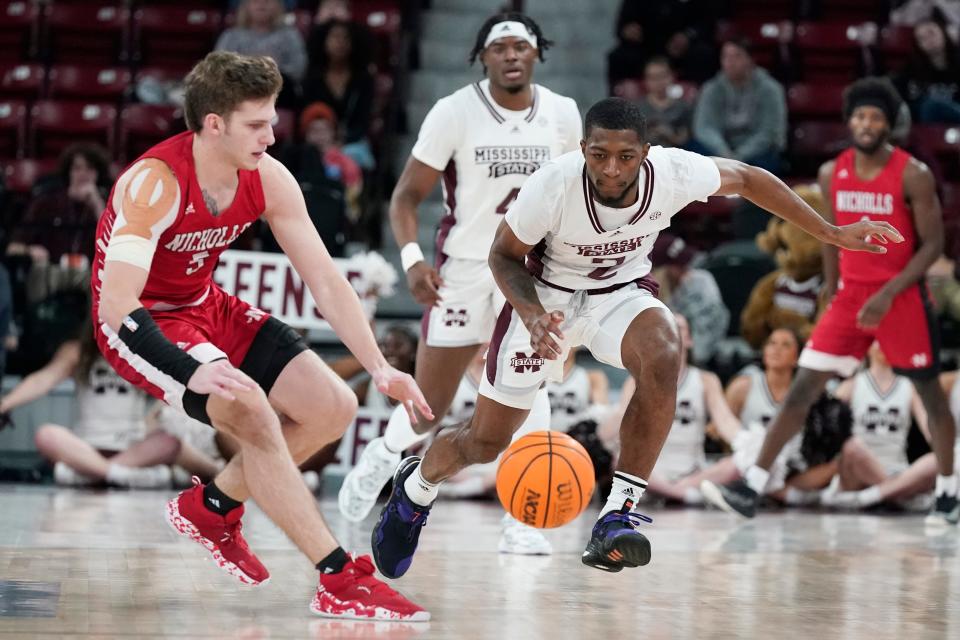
x: 880, y: 200
x: 189, y: 249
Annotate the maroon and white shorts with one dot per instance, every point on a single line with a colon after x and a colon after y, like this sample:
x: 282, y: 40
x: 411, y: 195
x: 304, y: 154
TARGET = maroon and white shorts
x: 908, y: 334
x: 469, y: 304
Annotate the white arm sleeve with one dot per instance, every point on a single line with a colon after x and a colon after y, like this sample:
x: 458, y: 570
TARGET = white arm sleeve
x: 439, y: 136
x: 147, y: 202
x: 537, y: 208
x: 693, y: 176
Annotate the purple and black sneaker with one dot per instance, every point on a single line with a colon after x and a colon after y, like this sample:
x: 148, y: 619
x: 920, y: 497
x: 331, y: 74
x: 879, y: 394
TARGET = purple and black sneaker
x: 616, y: 543
x: 395, y: 537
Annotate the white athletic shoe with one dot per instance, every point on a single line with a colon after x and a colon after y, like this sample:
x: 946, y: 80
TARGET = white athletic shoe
x: 833, y: 498
x: 67, y: 477
x: 521, y: 539
x: 363, y: 483
x: 156, y: 477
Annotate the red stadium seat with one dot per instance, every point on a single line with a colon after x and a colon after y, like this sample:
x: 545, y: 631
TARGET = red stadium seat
x: 89, y: 83
x: 284, y: 127
x: 55, y: 125
x: 383, y: 19
x: 144, y: 125
x: 763, y: 9
x: 809, y: 101
x: 87, y: 32
x: 20, y: 175
x: 828, y: 51
x: 19, y: 25
x: 301, y: 19
x: 174, y: 37
x: 941, y: 141
x: 21, y: 80
x: 13, y: 128
x: 852, y: 10
x: 896, y: 43
x: 814, y: 143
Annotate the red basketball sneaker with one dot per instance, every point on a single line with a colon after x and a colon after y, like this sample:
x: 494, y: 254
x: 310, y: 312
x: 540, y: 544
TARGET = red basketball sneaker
x: 220, y: 535
x: 355, y: 593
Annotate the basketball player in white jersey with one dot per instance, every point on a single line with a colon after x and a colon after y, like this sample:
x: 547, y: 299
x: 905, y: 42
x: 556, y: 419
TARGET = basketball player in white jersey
x: 682, y: 464
x: 575, y: 397
x: 484, y: 141
x: 873, y: 463
x: 572, y: 259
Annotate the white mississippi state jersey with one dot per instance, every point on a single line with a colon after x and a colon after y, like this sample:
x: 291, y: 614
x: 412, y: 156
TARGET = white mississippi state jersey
x: 486, y: 153
x: 759, y: 407
x: 569, y: 399
x: 882, y: 420
x: 580, y: 244
x: 108, y: 410
x: 682, y: 452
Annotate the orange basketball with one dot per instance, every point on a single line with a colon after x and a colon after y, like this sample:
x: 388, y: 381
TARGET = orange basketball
x: 545, y: 479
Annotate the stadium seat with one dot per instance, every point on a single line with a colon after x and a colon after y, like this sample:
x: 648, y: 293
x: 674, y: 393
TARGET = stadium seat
x: 174, y: 37
x: 827, y: 51
x: 815, y: 101
x: 13, y: 129
x: 86, y: 32
x: 20, y: 175
x: 22, y: 80
x: 852, y: 10
x: 813, y: 143
x: 383, y: 19
x: 55, y: 125
x: 943, y: 142
x: 285, y: 126
x: 144, y: 125
x: 19, y: 25
x: 762, y: 9
x: 106, y: 84
x: 896, y: 43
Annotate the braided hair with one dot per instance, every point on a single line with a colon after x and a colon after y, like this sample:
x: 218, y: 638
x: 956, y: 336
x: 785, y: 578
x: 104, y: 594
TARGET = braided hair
x: 510, y: 16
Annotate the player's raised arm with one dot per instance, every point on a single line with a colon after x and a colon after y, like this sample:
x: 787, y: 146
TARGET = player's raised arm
x: 286, y: 213
x: 768, y: 192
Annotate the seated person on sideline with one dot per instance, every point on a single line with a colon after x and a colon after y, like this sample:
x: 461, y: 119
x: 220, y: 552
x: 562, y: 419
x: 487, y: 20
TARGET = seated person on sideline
x: 668, y: 117
x: 873, y: 465
x: 577, y: 396
x: 108, y: 442
x: 682, y: 463
x: 742, y: 112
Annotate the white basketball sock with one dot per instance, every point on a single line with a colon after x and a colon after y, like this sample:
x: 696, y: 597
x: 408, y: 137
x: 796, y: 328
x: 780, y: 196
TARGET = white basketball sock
x: 626, y: 489
x: 419, y: 490
x: 757, y: 478
x: 692, y: 495
x: 868, y: 497
x: 946, y: 485
x: 399, y: 434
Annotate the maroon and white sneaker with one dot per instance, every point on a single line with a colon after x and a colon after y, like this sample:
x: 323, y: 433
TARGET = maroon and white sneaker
x: 355, y: 593
x: 220, y: 535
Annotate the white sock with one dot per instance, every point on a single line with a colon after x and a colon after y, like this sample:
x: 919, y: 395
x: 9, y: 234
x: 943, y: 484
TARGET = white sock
x: 399, y: 434
x: 626, y: 489
x: 419, y: 490
x: 757, y: 478
x: 692, y: 495
x: 946, y: 485
x: 869, y: 496
x: 117, y: 473
x: 797, y: 497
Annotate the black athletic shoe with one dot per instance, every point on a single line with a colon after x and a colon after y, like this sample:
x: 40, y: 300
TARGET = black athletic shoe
x: 946, y: 510
x: 616, y: 543
x: 395, y: 537
x: 733, y: 497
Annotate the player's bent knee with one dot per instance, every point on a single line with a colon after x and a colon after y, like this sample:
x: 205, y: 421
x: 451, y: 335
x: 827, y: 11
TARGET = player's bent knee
x: 168, y: 445
x: 249, y: 417
x: 47, y: 437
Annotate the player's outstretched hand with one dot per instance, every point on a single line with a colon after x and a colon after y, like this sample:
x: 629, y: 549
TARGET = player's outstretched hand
x: 858, y: 236
x: 424, y: 282
x: 544, y: 333
x: 401, y: 386
x: 220, y: 378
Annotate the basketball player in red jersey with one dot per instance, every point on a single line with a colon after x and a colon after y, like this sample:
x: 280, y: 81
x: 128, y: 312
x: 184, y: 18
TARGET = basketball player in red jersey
x: 872, y: 298
x: 167, y: 328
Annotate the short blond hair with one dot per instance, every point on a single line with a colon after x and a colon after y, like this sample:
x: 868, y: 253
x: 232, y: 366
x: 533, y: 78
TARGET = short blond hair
x: 223, y: 80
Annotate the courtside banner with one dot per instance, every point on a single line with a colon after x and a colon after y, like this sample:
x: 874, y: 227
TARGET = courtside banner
x: 268, y: 281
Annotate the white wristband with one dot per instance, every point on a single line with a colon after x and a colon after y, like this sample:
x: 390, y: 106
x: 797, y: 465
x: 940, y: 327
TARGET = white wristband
x: 410, y: 255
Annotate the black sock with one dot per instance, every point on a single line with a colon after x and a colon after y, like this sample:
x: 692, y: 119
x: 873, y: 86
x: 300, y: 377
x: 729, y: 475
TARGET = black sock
x: 217, y: 501
x: 334, y: 562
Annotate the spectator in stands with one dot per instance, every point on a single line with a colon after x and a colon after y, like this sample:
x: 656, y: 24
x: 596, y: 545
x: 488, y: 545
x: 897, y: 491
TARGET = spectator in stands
x: 108, y: 441
x: 682, y: 30
x: 742, y: 111
x: 333, y: 10
x: 692, y: 293
x: 668, y: 117
x: 60, y: 224
x: 913, y: 12
x: 339, y: 75
x: 930, y: 83
x: 318, y: 126
x: 261, y: 31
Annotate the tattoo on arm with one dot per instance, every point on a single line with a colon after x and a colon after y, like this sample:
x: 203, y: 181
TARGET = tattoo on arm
x: 211, y: 203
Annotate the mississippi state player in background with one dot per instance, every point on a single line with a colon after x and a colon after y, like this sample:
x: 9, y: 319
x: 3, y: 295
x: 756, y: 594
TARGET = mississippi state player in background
x: 166, y: 327
x: 580, y: 235
x: 484, y: 140
x: 882, y: 299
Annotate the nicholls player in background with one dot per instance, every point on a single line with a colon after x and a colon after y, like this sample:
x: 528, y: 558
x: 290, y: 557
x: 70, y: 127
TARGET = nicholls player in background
x: 876, y: 298
x: 164, y: 325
